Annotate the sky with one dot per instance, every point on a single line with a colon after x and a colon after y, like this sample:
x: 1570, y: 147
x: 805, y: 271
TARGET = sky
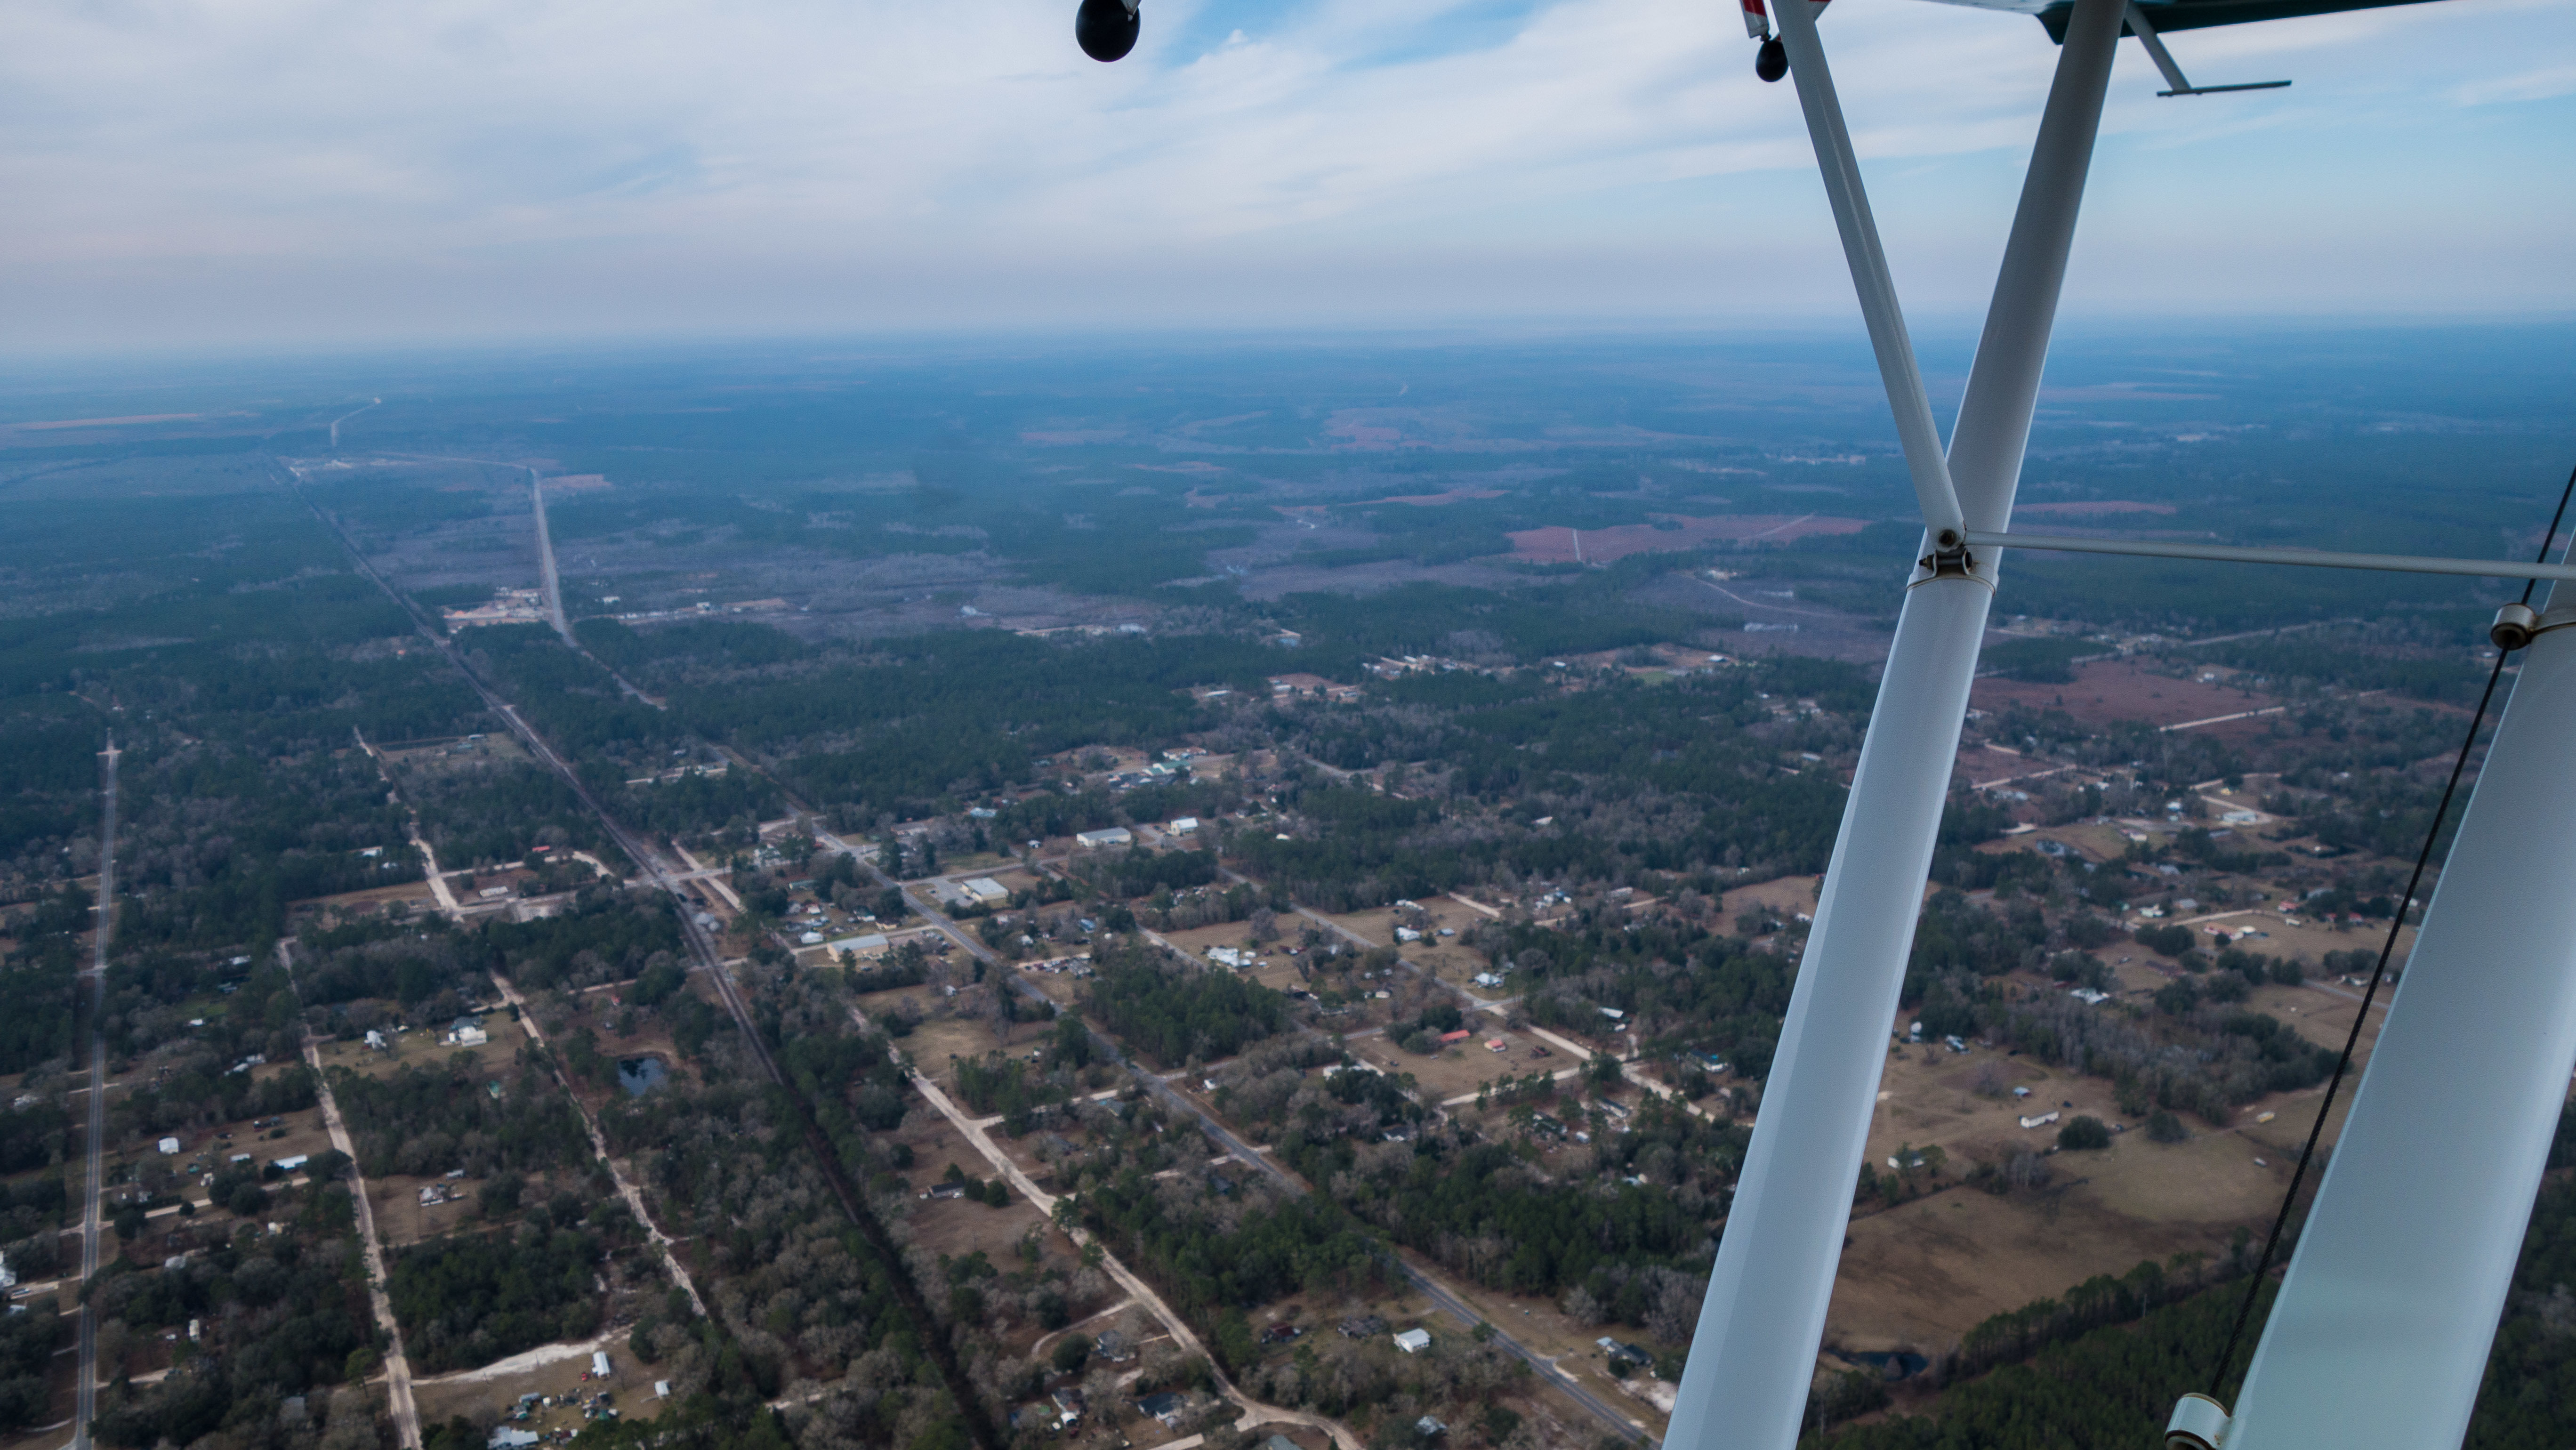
x: 259, y: 174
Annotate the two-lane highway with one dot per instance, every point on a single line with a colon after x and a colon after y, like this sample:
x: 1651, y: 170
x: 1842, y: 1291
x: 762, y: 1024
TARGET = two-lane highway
x: 85, y: 1402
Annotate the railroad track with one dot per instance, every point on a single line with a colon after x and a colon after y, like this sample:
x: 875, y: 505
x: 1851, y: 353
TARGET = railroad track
x: 933, y: 1338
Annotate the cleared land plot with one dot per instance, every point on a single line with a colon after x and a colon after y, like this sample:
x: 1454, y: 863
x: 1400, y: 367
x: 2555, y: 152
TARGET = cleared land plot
x: 558, y: 1370
x: 422, y: 1046
x: 2109, y: 691
x: 1564, y: 545
x: 1459, y: 1069
x: 1922, y: 1273
x: 1785, y: 898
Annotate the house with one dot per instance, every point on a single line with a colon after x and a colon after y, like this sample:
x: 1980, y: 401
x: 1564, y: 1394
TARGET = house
x: 1068, y: 1406
x: 1113, y: 1347
x: 867, y: 944
x: 1102, y: 840
x: 505, y: 1438
x: 1488, y: 979
x: 375, y: 1039
x: 1283, y: 1334
x: 1458, y: 1036
x: 1166, y: 1407
x: 168, y: 1146
x: 1495, y: 1044
x: 985, y: 891
x: 599, y: 1364
x: 1429, y: 1428
x: 1413, y: 1341
x: 467, y: 1033
x: 1182, y: 826
x: 289, y: 1165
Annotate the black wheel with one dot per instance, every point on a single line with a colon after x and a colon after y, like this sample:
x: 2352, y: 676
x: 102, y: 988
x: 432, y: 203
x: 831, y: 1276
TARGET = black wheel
x: 1771, y: 64
x: 1106, y: 29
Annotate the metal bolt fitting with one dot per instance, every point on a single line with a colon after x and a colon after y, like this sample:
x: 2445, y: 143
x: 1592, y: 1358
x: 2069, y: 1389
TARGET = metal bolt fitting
x: 2514, y: 626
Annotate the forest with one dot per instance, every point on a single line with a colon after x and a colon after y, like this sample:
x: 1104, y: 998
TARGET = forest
x: 1175, y: 1012
x: 423, y: 1121
x: 468, y: 1298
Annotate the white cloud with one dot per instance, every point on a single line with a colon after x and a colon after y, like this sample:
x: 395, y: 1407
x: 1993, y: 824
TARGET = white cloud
x: 208, y: 169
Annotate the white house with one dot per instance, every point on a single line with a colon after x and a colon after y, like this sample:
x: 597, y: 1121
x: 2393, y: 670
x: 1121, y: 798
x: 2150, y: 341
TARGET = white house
x: 1100, y: 840
x: 1183, y: 826
x: 1413, y: 1341
x: 985, y: 891
x: 169, y: 1145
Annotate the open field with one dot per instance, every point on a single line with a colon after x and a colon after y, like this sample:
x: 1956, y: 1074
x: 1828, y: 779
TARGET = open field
x: 1460, y: 1068
x: 1920, y: 1274
x: 560, y: 1370
x: 1673, y: 532
x: 421, y: 1046
x: 2109, y: 691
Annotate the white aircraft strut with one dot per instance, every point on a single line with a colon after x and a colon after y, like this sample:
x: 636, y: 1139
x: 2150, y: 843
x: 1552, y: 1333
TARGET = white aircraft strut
x: 1755, y: 1352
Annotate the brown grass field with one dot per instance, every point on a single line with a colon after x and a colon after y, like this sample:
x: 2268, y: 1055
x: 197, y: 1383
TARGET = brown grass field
x: 2126, y: 689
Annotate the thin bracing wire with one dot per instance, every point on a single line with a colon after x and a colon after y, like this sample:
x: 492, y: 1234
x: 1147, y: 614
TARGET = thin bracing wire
x: 2378, y: 974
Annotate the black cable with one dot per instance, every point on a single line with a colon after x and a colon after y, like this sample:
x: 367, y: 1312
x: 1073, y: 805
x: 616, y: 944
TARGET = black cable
x: 2396, y: 923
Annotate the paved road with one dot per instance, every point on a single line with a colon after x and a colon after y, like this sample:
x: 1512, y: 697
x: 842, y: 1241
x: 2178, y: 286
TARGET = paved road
x: 545, y: 549
x: 1254, y: 1411
x: 702, y: 950
x: 1610, y: 1416
x: 546, y: 562
x: 86, y: 1397
x: 398, y: 1396
x: 345, y: 417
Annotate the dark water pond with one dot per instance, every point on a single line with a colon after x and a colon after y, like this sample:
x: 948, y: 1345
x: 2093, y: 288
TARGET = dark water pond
x: 1895, y: 1364
x: 640, y: 1075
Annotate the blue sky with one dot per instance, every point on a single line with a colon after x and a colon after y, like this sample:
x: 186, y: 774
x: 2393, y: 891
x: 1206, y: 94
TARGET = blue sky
x: 265, y: 173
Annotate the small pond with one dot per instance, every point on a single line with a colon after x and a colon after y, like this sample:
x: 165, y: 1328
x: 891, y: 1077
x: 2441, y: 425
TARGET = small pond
x: 1895, y: 1364
x: 640, y: 1075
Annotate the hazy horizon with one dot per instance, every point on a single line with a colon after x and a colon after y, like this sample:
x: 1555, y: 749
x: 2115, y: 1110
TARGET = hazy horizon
x: 311, y: 176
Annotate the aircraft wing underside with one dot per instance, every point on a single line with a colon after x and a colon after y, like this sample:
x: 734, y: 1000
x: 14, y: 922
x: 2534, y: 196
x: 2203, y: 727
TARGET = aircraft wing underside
x: 2167, y: 15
